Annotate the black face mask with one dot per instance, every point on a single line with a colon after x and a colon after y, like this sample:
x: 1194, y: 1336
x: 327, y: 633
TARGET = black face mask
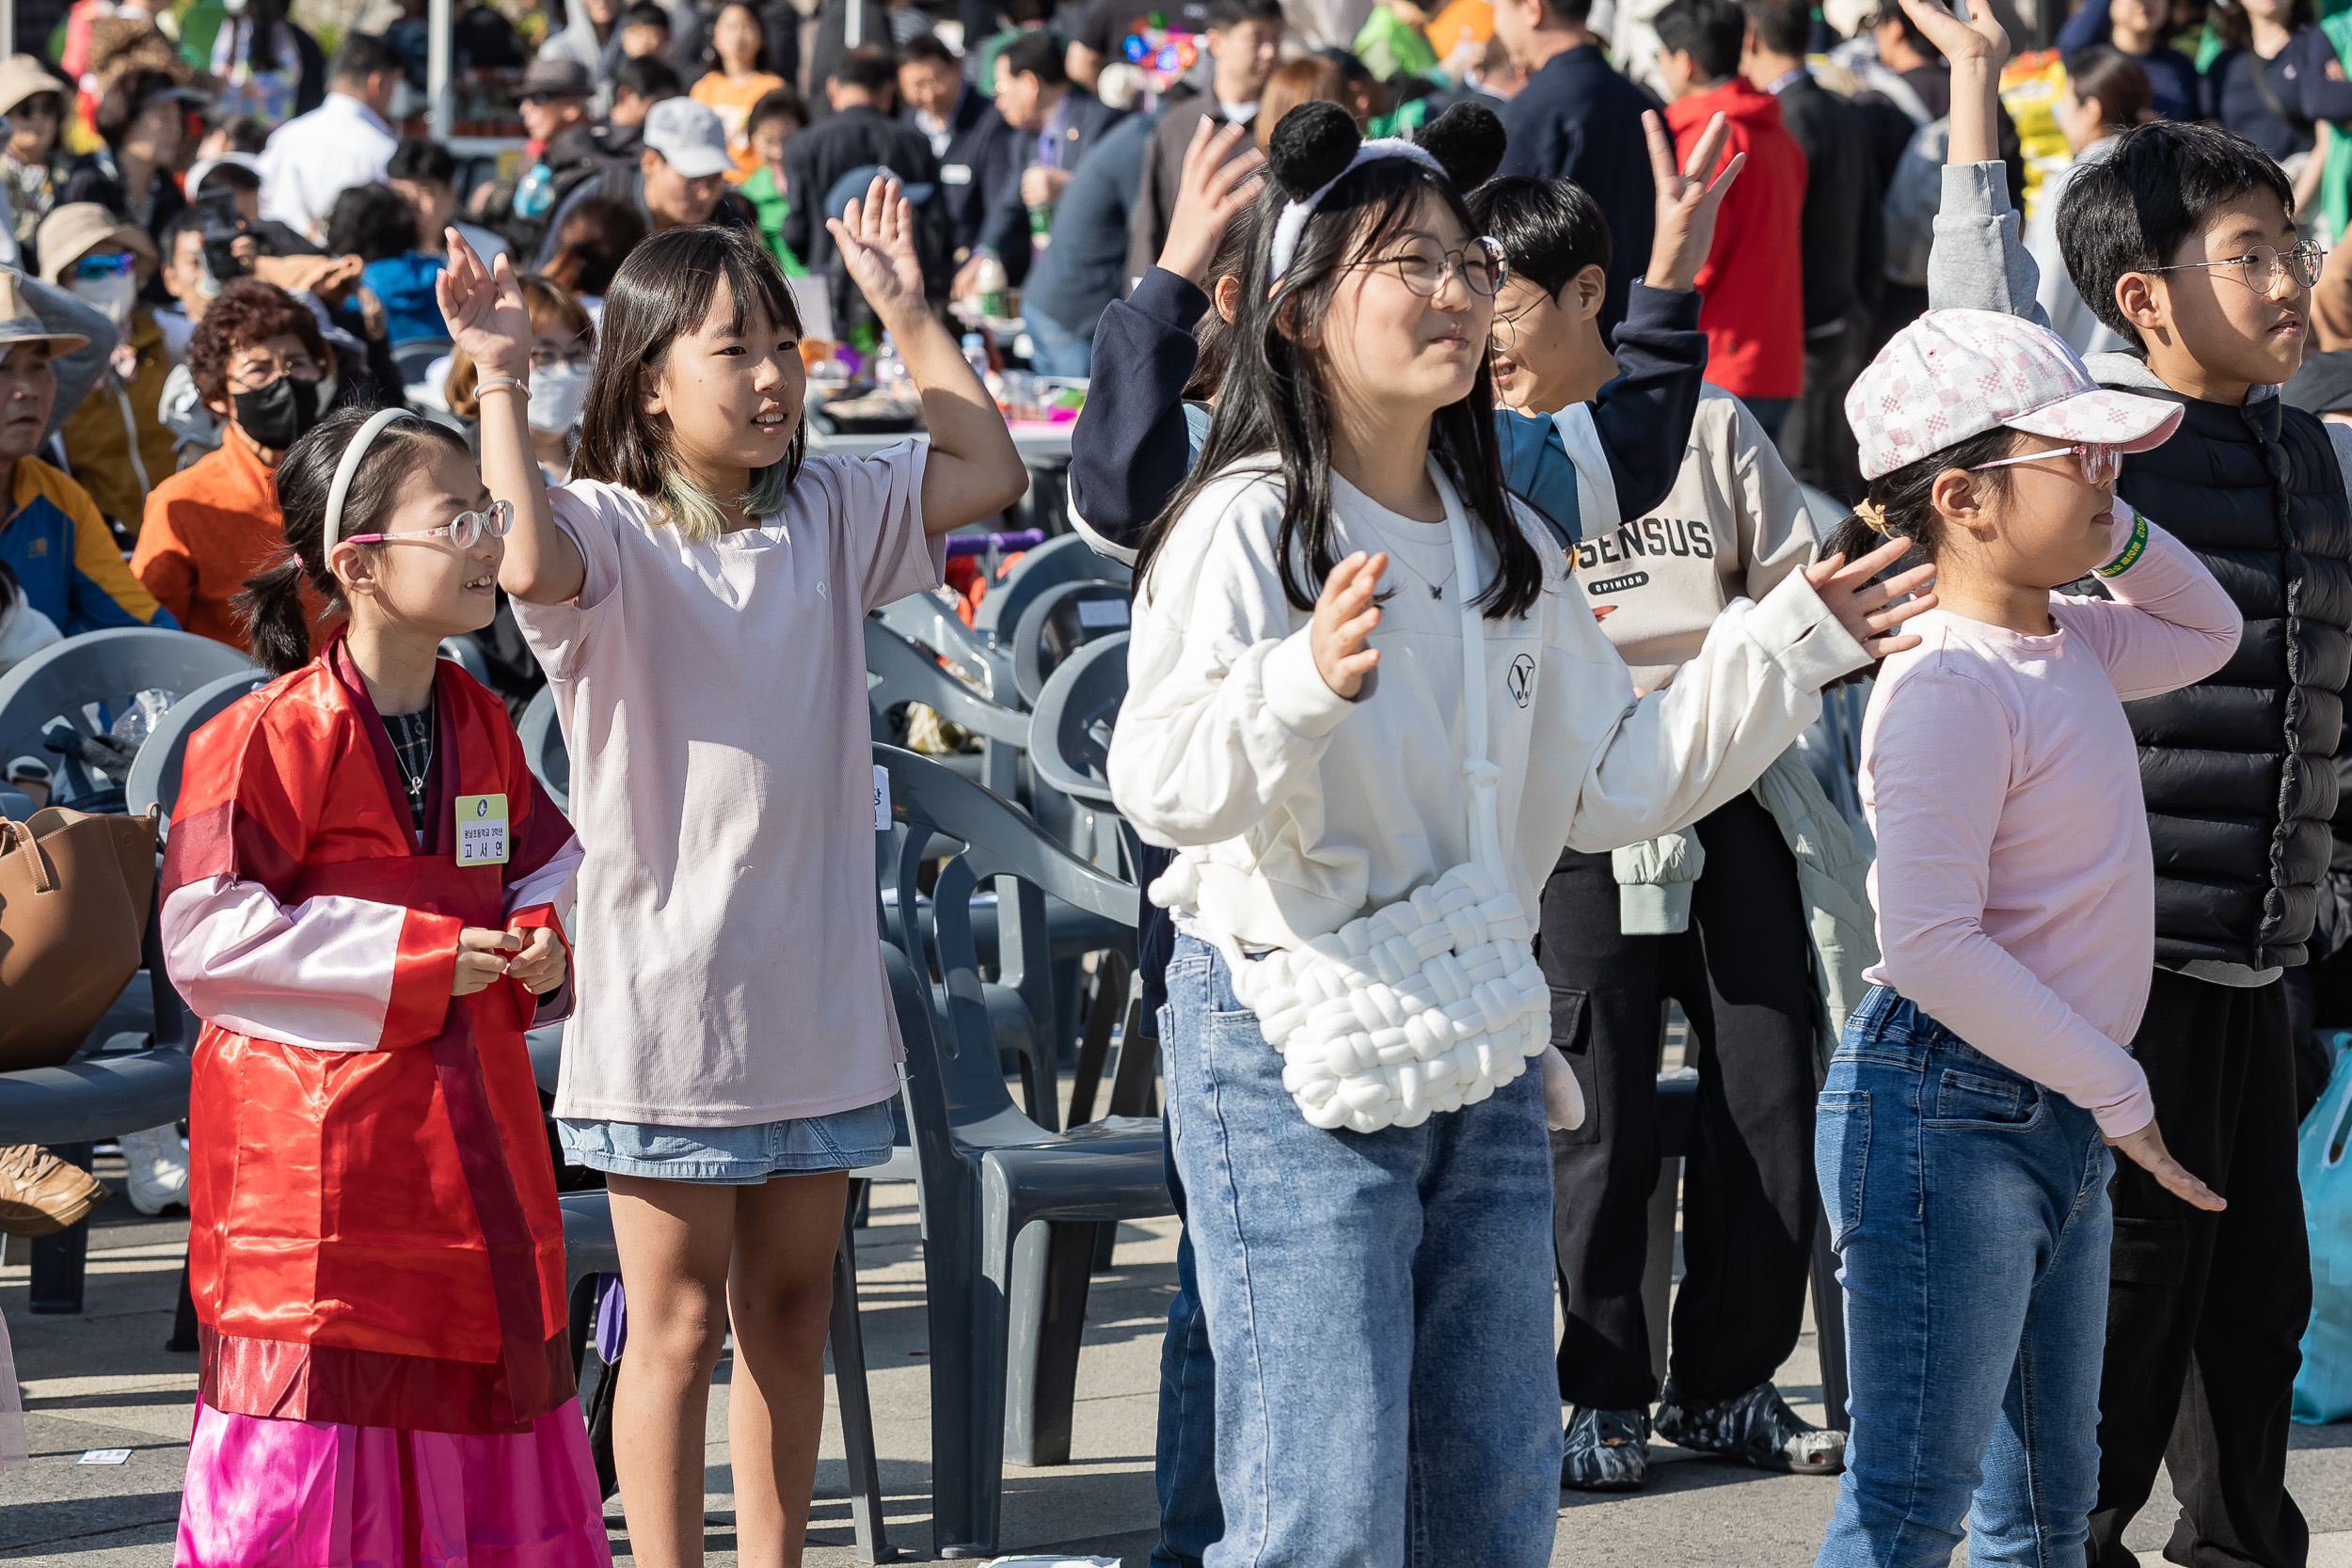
x: 276, y: 415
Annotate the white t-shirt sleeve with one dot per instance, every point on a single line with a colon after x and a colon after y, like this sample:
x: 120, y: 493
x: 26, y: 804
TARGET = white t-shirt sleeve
x: 559, y: 633
x: 876, y: 505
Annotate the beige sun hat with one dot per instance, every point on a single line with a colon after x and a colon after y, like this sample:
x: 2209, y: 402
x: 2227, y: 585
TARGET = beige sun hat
x: 72, y: 232
x: 18, y: 325
x: 21, y: 77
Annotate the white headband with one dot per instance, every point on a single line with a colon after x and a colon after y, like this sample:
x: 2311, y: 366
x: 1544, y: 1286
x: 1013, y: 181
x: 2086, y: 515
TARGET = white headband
x: 349, y: 467
x: 1292, y: 223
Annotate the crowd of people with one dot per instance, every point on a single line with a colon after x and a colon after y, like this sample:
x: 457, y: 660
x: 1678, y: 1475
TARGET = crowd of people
x: 1472, y: 382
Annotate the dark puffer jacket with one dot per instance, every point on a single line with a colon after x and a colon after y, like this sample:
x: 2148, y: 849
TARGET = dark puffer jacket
x: 2238, y: 770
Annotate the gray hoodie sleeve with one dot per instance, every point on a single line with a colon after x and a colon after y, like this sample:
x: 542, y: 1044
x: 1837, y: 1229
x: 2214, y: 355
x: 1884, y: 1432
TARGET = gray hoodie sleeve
x: 1979, y: 261
x: 79, y: 371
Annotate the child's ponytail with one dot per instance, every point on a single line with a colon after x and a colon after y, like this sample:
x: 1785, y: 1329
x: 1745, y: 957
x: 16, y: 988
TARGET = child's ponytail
x: 275, y: 605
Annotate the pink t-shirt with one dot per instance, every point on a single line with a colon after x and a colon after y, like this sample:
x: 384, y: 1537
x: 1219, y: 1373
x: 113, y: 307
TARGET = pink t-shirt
x: 2015, y: 887
x: 713, y: 698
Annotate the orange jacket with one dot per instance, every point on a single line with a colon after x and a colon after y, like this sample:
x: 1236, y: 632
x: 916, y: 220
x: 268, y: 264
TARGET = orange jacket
x: 209, y: 527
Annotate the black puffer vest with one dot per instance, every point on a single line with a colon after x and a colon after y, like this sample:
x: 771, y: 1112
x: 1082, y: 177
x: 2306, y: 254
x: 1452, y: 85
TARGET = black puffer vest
x: 2237, y: 770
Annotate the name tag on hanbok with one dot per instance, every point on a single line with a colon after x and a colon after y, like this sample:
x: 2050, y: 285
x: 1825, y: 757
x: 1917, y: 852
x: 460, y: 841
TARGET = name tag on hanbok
x: 482, y: 830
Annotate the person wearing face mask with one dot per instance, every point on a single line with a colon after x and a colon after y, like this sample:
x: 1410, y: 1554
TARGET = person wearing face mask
x: 563, y: 354
x: 261, y: 365
x: 115, y: 442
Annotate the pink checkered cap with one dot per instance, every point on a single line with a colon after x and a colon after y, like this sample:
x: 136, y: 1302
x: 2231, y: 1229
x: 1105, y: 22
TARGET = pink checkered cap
x: 1956, y: 373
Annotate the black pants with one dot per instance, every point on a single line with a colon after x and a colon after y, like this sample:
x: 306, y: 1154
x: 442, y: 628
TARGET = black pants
x: 2205, y: 1312
x: 1741, y: 974
x: 1817, y: 442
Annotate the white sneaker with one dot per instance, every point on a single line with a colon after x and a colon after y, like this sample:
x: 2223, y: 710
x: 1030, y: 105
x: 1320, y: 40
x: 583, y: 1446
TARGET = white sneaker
x: 159, y: 1169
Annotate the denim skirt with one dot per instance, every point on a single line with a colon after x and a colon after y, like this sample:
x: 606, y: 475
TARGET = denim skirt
x: 732, y: 1156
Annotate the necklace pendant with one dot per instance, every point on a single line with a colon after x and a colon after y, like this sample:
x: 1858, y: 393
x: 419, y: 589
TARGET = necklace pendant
x: 1437, y: 592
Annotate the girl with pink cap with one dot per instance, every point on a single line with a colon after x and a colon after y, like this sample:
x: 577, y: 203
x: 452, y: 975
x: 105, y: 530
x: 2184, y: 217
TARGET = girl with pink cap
x: 1962, y: 1134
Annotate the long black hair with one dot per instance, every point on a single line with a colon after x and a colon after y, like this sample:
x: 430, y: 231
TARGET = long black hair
x: 272, y: 605
x: 1273, y: 407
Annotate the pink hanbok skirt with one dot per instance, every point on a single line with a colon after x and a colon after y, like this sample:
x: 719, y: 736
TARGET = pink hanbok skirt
x: 264, y: 1493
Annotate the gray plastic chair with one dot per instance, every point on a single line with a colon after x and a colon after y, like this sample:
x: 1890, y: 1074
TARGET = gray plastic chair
x: 1070, y: 732
x: 543, y: 749
x: 899, y: 672
x: 154, y: 778
x: 99, y: 670
x: 1010, y: 1212
x: 931, y: 619
x: 1060, y: 620
x: 466, y: 654
x: 1067, y: 558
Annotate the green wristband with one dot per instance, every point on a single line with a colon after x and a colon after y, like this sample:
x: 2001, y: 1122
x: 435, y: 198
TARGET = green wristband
x: 2131, y: 552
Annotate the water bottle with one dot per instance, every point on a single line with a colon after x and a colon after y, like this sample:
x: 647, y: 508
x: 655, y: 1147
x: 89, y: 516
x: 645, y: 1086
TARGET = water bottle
x: 536, y: 192
x: 890, y: 373
x: 976, y: 354
x: 991, y: 287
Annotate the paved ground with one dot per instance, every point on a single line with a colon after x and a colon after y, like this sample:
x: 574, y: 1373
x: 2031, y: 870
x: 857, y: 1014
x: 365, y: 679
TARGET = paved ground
x: 103, y: 1381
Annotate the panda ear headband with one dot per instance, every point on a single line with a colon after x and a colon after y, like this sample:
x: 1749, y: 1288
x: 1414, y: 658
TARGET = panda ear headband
x: 1317, y: 144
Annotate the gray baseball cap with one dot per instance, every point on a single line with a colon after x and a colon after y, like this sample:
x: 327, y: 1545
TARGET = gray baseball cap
x: 689, y: 136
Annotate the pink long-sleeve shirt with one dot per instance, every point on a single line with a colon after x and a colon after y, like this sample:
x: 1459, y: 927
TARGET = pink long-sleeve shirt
x: 2014, y: 888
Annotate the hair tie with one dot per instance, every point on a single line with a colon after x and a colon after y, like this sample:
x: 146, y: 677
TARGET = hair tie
x: 1874, y: 515
x: 349, y: 467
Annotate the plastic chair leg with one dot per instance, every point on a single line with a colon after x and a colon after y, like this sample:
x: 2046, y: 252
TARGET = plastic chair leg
x: 966, y: 1319
x: 847, y: 1342
x: 1053, y: 1265
x: 1829, y: 1323
x: 1657, y: 1270
x: 1110, y: 996
x: 60, y: 1261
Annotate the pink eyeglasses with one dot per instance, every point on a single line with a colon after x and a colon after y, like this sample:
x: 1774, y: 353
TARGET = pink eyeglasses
x: 463, y: 531
x: 2100, y: 463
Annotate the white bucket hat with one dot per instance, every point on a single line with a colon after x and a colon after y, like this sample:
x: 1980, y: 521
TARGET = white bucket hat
x: 1956, y: 373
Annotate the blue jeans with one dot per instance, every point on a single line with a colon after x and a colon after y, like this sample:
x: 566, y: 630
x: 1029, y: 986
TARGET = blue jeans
x: 1184, y: 1471
x: 1055, y: 349
x: 1380, y: 1308
x: 1969, y: 1210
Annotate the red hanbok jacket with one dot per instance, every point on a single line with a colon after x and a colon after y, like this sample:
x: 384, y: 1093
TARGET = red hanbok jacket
x: 375, y: 1238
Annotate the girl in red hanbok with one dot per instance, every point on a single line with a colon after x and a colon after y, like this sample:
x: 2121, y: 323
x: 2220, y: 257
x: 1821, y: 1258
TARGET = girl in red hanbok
x: 359, y: 901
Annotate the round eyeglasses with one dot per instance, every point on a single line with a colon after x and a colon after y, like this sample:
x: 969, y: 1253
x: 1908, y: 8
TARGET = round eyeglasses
x: 1424, y: 268
x: 462, y: 530
x: 2100, y: 463
x: 2260, y: 268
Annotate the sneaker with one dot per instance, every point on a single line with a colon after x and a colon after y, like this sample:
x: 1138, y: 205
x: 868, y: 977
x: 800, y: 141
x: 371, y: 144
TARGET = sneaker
x: 158, y: 1162
x: 1758, y: 1426
x: 41, y: 1195
x: 1607, y: 1451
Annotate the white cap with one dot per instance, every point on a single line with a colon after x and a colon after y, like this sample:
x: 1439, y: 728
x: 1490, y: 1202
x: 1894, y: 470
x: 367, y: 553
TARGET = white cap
x: 689, y: 136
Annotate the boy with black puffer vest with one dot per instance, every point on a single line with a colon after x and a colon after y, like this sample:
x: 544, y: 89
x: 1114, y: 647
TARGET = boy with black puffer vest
x: 2184, y: 242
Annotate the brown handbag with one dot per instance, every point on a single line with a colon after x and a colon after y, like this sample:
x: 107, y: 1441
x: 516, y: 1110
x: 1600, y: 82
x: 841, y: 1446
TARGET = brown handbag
x: 74, y: 894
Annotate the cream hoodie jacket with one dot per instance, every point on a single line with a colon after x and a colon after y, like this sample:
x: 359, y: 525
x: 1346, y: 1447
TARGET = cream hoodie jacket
x: 1295, y: 810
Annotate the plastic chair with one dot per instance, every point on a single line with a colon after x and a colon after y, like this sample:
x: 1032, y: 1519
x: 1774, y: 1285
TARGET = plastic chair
x: 543, y: 749
x: 154, y: 777
x: 1070, y: 732
x: 1010, y: 1212
x: 1067, y: 559
x: 1057, y: 624
x: 902, y: 673
x: 86, y: 680
x: 931, y: 619
x: 466, y: 654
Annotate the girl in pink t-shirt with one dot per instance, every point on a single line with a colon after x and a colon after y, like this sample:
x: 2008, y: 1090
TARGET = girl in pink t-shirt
x: 696, y: 595
x: 1961, y: 1134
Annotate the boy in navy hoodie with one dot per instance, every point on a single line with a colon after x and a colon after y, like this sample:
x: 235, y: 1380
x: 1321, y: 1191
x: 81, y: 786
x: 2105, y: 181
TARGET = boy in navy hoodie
x: 2184, y: 242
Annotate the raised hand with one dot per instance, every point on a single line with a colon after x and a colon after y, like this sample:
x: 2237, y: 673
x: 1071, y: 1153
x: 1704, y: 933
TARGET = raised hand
x: 1980, y: 37
x: 1686, y: 201
x: 1214, y: 183
x: 1866, y: 610
x: 1344, y: 616
x: 876, y: 239
x: 2145, y: 1148
x: 485, y: 310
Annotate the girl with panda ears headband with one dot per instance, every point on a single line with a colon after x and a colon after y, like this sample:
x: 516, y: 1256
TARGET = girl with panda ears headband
x: 1368, y: 708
